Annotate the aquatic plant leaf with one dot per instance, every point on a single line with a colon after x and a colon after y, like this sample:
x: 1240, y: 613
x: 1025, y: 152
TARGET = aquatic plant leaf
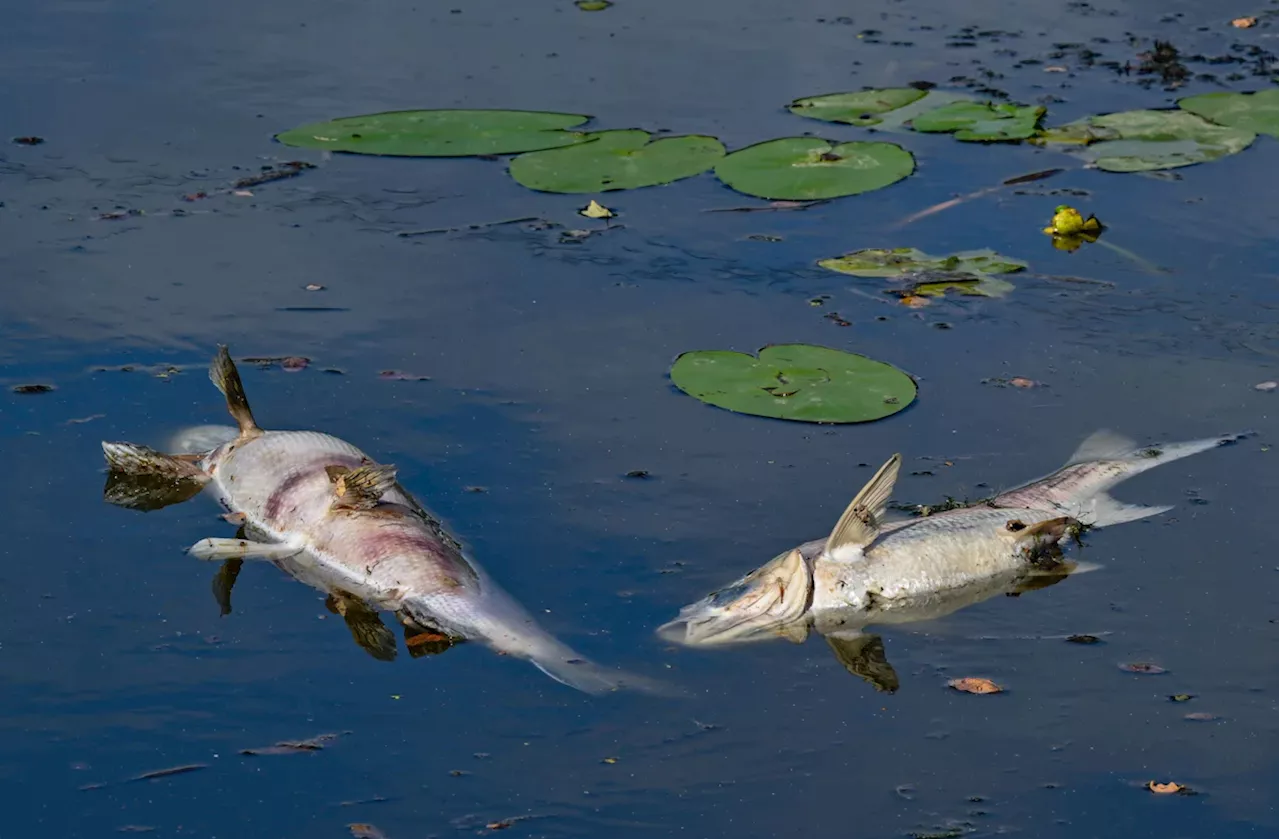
x: 981, y: 121
x: 862, y: 107
x: 808, y: 168
x: 611, y: 160
x: 1144, y: 141
x: 795, y: 382
x: 440, y: 133
x: 1257, y: 112
x: 895, y: 262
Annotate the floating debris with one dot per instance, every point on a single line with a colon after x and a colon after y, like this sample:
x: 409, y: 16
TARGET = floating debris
x: 28, y: 141
x: 975, y: 684
x: 35, y: 388
x: 172, y: 770
x: 401, y: 376
x: 595, y: 209
x: 269, y: 174
x: 1143, y: 667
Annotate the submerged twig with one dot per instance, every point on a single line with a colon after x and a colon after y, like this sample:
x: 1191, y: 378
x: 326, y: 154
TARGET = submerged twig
x: 481, y: 226
x: 955, y: 202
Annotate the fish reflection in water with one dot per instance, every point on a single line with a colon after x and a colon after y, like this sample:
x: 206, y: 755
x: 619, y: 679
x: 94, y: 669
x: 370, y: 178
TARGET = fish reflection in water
x: 870, y: 571
x: 325, y: 513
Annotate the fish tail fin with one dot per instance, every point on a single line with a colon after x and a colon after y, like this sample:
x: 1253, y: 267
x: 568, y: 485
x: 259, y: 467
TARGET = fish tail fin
x: 226, y: 378
x: 1104, y: 459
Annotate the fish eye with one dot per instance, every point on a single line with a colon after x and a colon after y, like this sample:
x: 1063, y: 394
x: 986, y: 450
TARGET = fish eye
x: 1014, y: 525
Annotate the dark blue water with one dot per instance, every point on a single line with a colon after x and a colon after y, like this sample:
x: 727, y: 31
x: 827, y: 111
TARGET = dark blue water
x: 547, y: 365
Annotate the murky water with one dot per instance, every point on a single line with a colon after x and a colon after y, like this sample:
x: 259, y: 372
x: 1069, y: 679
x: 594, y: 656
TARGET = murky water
x: 547, y: 384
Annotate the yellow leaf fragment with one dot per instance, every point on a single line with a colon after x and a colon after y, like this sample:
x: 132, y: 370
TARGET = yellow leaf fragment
x: 1244, y: 22
x: 915, y: 301
x: 596, y: 210
x: 974, y: 684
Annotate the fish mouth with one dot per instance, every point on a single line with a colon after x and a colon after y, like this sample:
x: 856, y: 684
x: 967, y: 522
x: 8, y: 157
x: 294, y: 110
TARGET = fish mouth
x: 767, y: 603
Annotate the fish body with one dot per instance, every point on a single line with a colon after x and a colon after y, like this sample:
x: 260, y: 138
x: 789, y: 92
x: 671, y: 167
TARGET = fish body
x: 869, y: 571
x: 324, y: 512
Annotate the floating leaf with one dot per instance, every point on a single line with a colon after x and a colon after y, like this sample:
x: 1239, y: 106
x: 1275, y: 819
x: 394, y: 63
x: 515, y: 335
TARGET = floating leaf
x: 896, y: 262
x: 974, y: 684
x: 795, y: 382
x: 1144, y: 141
x: 610, y: 160
x: 1067, y: 221
x: 1142, y: 667
x: 593, y: 5
x: 807, y: 168
x: 1169, y: 788
x: 981, y: 121
x: 1257, y: 112
x: 595, y: 209
x: 862, y: 107
x: 440, y: 133
x: 968, y: 272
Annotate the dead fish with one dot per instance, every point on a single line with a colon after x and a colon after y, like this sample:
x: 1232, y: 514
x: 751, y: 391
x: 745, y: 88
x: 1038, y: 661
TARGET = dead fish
x: 869, y: 571
x: 325, y: 512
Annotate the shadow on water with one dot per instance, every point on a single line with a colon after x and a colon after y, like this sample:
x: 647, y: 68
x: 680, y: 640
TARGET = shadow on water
x: 546, y: 361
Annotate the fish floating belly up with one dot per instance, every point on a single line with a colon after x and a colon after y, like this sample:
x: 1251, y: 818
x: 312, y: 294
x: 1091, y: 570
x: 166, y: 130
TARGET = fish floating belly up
x: 326, y: 513
x: 869, y: 571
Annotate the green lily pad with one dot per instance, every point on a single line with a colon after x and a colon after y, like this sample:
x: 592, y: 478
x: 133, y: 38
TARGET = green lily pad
x: 896, y: 262
x: 862, y: 107
x: 612, y: 160
x: 1144, y: 141
x: 981, y: 121
x: 967, y: 272
x: 795, y: 382
x: 1257, y: 112
x: 807, y: 168
x: 440, y: 133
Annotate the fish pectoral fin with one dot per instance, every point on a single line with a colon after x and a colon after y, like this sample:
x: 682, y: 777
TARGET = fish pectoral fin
x: 862, y: 518
x: 215, y: 548
x: 360, y: 488
x: 863, y: 656
x: 142, y: 478
x: 367, y: 629
x: 223, y: 582
x: 226, y: 378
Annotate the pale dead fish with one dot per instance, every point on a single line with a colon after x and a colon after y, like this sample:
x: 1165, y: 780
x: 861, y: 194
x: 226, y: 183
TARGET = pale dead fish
x: 326, y: 513
x: 869, y: 571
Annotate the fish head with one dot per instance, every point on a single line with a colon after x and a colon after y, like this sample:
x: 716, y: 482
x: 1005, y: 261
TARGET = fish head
x: 767, y: 603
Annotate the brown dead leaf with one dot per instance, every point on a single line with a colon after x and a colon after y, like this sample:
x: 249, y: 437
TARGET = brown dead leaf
x: 1244, y: 22
x: 360, y: 830
x: 974, y: 684
x: 1021, y: 381
x: 500, y: 825
x: 1144, y: 667
x: 914, y: 301
x: 1165, y: 789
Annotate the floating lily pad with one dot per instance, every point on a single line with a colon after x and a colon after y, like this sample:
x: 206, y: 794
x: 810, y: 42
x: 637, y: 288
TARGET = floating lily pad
x: 981, y: 121
x: 1143, y: 141
x: 863, y: 107
x: 1257, y: 112
x: 896, y: 262
x: 795, y: 382
x: 612, y: 160
x: 807, y: 168
x: 967, y: 272
x: 440, y: 133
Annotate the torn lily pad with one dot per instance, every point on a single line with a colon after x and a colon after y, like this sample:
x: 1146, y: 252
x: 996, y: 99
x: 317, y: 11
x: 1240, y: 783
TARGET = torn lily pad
x: 440, y: 133
x: 808, y: 168
x: 797, y: 382
x: 1144, y: 141
x: 1257, y: 112
x: 968, y: 272
x: 863, y: 107
x: 981, y: 121
x: 611, y: 160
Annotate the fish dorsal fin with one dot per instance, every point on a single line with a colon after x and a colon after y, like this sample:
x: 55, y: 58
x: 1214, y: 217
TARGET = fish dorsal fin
x: 226, y: 379
x: 1103, y: 445
x: 360, y: 488
x: 862, y: 518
